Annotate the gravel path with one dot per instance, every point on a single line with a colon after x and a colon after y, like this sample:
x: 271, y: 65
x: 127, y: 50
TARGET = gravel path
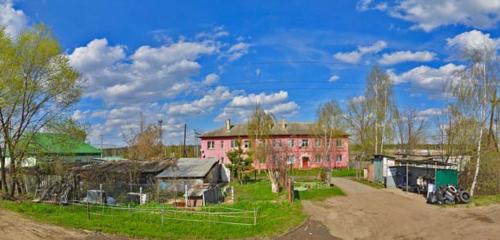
x: 368, y: 213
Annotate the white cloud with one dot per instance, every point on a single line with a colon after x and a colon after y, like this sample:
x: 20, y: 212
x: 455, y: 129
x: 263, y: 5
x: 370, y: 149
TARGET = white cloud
x: 430, y: 14
x: 13, y: 20
x: 406, y: 56
x: 473, y: 41
x: 241, y: 106
x: 356, y: 55
x: 236, y: 51
x: 429, y: 112
x: 211, y: 79
x: 427, y: 79
x: 358, y: 99
x: 149, y: 74
x: 363, y: 5
x: 201, y: 106
x: 333, y: 78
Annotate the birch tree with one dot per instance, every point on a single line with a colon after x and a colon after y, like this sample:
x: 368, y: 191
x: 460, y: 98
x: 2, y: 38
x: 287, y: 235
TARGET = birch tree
x: 329, y: 125
x: 410, y: 129
x: 474, y: 89
x: 379, y: 97
x: 260, y: 125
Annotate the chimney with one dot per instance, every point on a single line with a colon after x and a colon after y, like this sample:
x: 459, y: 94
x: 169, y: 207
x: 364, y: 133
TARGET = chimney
x: 228, y: 125
x: 284, y: 124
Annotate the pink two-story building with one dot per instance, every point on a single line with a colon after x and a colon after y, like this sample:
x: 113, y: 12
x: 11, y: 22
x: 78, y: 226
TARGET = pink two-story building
x: 304, y: 149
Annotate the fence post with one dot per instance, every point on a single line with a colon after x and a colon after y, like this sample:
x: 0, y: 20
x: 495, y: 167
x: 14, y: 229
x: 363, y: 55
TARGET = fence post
x: 88, y: 210
x: 232, y: 194
x: 161, y: 214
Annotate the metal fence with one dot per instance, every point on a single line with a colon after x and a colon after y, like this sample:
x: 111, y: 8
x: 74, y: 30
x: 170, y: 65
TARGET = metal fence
x: 160, y: 215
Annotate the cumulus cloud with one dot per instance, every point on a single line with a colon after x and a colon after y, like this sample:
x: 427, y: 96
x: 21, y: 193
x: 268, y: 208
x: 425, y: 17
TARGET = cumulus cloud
x: 241, y: 106
x: 13, y: 20
x: 333, y: 78
x: 149, y: 74
x: 473, y: 41
x: 356, y: 55
x: 406, y: 56
x: 430, y: 14
x: 201, y: 106
x: 428, y: 79
x: 429, y: 112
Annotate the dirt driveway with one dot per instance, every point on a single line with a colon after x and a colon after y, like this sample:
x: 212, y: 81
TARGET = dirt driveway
x: 13, y: 227
x: 368, y: 213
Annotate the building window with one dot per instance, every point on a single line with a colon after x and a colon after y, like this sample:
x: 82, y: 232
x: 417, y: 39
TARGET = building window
x: 222, y: 144
x: 210, y: 145
x: 339, y: 158
x: 328, y: 157
x: 233, y: 143
x: 246, y: 144
x: 290, y: 142
x: 305, y: 143
x: 318, y: 158
x: 318, y: 142
x: 339, y: 142
x: 291, y: 159
x: 328, y: 142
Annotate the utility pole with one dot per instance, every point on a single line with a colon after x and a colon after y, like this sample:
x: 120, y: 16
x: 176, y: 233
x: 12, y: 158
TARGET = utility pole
x: 184, y: 153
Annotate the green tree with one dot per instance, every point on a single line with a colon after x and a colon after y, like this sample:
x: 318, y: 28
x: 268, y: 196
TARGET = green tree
x: 38, y: 86
x: 240, y: 161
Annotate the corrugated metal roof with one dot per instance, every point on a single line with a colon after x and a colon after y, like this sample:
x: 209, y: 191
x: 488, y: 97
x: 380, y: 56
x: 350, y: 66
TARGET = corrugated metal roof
x: 291, y: 128
x: 189, y: 168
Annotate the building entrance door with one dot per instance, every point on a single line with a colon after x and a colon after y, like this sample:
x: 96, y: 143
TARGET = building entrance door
x: 305, y: 162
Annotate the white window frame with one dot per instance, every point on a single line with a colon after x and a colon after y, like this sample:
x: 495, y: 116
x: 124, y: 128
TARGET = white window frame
x: 339, y: 141
x: 305, y: 143
x: 210, y: 144
x: 338, y: 158
x: 317, y: 157
x: 290, y: 142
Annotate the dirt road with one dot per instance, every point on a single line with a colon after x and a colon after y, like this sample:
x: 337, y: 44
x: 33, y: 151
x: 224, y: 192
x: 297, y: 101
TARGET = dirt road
x: 368, y: 213
x: 13, y: 227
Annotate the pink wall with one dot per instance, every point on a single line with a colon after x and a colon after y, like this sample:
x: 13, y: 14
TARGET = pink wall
x: 296, y: 151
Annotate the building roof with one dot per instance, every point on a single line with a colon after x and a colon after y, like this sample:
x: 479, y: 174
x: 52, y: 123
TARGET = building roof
x: 280, y: 129
x: 189, y: 168
x: 49, y: 143
x: 125, y: 166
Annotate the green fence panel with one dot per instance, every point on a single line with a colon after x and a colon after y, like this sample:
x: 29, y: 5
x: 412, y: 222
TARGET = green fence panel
x: 446, y: 177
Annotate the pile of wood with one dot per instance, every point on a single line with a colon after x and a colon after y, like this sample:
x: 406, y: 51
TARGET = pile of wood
x: 56, y: 191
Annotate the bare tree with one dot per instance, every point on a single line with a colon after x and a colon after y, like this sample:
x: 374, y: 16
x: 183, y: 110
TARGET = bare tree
x: 260, y: 126
x: 475, y: 91
x: 410, y: 129
x: 379, y: 98
x: 329, y: 125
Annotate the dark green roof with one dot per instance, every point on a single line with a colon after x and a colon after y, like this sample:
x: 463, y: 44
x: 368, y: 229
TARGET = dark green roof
x: 280, y: 129
x: 49, y: 143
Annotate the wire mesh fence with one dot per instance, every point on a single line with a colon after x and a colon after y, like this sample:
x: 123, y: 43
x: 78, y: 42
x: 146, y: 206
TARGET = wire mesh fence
x: 161, y: 214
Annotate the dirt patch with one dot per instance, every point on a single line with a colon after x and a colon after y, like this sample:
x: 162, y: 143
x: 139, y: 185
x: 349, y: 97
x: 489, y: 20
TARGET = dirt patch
x: 368, y: 213
x: 13, y: 227
x: 309, y: 230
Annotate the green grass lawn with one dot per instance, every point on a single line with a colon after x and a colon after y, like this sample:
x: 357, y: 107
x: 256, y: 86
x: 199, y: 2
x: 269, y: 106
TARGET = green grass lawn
x: 274, y: 216
x: 485, y: 200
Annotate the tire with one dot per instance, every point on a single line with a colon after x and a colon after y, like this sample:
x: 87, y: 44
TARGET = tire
x: 452, y: 189
x: 464, y: 197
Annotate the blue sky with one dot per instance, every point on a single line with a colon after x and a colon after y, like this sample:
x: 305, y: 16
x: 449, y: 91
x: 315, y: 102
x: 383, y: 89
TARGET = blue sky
x: 200, y: 62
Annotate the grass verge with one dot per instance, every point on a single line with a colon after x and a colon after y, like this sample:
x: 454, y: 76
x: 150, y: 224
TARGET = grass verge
x: 485, y: 200
x: 274, y: 216
x: 368, y: 183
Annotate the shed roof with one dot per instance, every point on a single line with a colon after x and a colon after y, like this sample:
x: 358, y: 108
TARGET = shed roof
x: 50, y: 143
x: 189, y: 168
x: 280, y: 129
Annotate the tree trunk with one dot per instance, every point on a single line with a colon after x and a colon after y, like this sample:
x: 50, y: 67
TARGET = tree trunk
x: 478, y: 163
x: 275, y: 188
x: 4, y: 175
